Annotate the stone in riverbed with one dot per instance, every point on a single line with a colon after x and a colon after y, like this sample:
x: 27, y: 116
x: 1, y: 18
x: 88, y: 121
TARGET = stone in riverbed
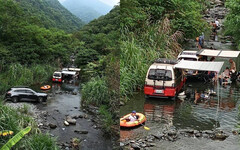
x: 66, y: 123
x: 70, y: 120
x: 121, y: 144
x: 81, y: 132
x: 52, y: 126
x: 172, y: 132
x: 208, y: 132
x: 135, y: 146
x: 158, y: 136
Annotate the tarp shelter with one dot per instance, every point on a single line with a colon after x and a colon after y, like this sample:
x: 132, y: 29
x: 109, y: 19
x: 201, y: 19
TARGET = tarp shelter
x: 199, y: 65
x: 219, y: 53
x: 69, y: 72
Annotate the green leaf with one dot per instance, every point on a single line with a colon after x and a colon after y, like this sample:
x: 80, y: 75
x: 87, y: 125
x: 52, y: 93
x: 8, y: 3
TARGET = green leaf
x: 16, y: 138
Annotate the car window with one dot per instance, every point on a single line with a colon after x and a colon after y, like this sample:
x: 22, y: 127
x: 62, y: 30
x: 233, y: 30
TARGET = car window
x: 160, y: 74
x: 19, y: 91
x: 29, y: 91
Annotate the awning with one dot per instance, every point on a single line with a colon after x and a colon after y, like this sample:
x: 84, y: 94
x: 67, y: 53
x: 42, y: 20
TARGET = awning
x: 219, y: 53
x: 200, y: 65
x: 69, y: 72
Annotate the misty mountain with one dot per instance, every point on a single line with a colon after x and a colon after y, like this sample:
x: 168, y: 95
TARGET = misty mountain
x: 87, y: 10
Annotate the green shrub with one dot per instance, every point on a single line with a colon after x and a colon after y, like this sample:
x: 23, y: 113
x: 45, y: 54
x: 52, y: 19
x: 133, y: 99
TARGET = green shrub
x: 107, y: 120
x: 95, y: 92
x: 41, y: 142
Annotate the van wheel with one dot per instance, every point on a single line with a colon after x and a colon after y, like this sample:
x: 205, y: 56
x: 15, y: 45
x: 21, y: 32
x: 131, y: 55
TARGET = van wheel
x: 40, y: 99
x: 14, y: 99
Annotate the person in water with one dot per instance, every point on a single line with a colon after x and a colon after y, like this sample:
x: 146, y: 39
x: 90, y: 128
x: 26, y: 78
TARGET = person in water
x: 133, y: 117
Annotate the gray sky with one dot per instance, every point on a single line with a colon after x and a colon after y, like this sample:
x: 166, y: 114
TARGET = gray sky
x: 108, y: 2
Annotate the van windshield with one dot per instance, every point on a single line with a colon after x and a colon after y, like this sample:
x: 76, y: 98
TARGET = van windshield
x: 160, y: 74
x: 57, y: 75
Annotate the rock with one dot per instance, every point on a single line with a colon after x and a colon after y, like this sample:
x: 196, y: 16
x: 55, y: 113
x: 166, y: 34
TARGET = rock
x: 220, y: 136
x: 81, y: 132
x: 63, y: 129
x: 170, y: 138
x: 80, y: 116
x: 235, y: 132
x: 52, y: 126
x: 190, y: 131
x: 172, y: 132
x: 70, y: 120
x: 151, y: 144
x: 51, y: 135
x: 85, y: 116
x: 143, y: 145
x: 132, y: 141
x: 208, y: 132
x: 198, y: 134
x: 121, y: 103
x: 40, y: 124
x: 66, y: 123
x: 135, y: 146
x: 121, y: 144
x: 158, y: 136
x: 74, y: 93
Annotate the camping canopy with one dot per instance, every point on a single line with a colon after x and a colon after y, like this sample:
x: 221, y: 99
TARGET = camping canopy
x: 219, y: 53
x: 199, y: 65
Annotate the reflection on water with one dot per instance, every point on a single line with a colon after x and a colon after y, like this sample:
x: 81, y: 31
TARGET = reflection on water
x: 206, y: 114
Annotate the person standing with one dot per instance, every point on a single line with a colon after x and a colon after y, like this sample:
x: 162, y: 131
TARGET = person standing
x: 232, y: 66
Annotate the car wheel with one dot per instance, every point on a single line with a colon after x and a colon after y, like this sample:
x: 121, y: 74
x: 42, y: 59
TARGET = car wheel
x: 15, y: 99
x: 40, y: 99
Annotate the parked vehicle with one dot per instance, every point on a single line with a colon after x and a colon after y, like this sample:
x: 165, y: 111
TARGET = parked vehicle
x: 57, y: 76
x: 24, y: 93
x: 65, y: 73
x: 163, y: 80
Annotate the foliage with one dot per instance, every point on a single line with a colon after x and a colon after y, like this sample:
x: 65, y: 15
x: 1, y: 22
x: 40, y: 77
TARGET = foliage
x: 15, y: 121
x: 184, y: 15
x: 85, y: 56
x: 50, y: 14
x: 25, y: 41
x: 101, y: 34
x: 16, y: 74
x: 16, y: 138
x: 107, y: 119
x: 95, y: 92
x: 232, y: 22
x: 41, y: 142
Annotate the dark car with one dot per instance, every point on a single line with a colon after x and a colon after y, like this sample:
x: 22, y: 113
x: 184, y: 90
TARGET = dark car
x: 23, y: 93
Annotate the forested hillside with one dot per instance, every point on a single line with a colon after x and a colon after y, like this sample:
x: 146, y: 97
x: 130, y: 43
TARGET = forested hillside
x: 87, y: 10
x: 153, y: 29
x: 26, y: 42
x: 50, y: 14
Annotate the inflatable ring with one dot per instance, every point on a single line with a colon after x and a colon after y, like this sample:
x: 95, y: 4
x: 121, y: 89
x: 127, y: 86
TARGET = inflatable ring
x: 124, y: 123
x: 45, y: 87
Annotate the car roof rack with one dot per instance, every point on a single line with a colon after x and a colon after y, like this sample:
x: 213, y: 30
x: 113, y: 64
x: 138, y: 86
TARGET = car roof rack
x: 21, y: 86
x: 166, y: 61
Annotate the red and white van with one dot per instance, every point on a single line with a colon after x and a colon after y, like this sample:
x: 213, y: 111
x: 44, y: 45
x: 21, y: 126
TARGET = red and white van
x: 57, y: 76
x: 163, y: 80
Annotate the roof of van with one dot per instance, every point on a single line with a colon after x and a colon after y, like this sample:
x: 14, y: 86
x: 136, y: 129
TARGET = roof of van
x: 161, y: 66
x: 188, y: 54
x: 219, y: 53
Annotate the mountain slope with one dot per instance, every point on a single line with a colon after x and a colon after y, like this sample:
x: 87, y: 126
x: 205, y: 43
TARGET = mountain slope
x: 50, y: 14
x: 87, y: 10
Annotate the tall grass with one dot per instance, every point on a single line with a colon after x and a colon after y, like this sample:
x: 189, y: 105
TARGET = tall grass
x: 95, y: 92
x: 17, y: 74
